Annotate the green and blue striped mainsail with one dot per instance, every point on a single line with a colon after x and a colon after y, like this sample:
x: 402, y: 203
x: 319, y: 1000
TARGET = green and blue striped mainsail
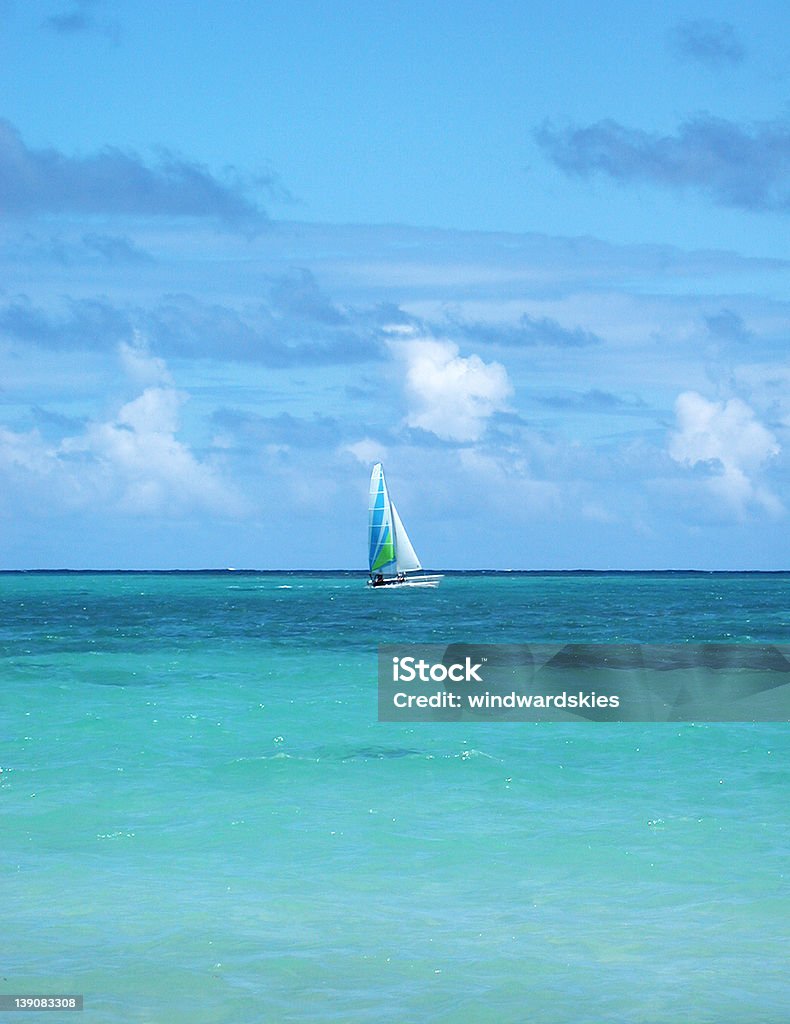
x: 390, y: 549
x: 381, y: 554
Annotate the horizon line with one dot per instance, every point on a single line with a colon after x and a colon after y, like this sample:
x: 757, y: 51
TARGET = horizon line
x: 229, y: 570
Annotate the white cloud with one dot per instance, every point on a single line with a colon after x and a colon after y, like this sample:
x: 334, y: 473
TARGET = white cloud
x: 730, y: 440
x: 132, y: 463
x: 137, y: 458
x: 25, y: 451
x: 367, y: 451
x: 452, y: 396
x: 505, y: 482
x: 140, y: 365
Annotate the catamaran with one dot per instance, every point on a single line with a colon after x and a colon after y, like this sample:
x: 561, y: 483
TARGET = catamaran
x: 391, y: 554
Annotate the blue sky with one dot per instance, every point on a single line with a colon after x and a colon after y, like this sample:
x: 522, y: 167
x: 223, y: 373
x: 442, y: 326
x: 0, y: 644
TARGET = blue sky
x: 533, y: 258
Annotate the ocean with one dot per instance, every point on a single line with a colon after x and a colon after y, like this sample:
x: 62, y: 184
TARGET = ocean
x: 203, y: 821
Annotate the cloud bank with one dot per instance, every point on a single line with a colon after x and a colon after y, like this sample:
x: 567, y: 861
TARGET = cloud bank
x: 527, y: 331
x: 744, y: 167
x: 295, y: 326
x: 115, y: 181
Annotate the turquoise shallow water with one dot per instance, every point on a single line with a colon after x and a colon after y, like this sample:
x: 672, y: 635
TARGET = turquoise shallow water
x: 204, y: 822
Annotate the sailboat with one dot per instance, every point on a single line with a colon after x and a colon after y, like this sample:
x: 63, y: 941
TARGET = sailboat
x: 391, y: 555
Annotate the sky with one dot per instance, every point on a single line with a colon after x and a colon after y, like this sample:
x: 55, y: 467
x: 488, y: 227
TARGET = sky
x: 532, y: 257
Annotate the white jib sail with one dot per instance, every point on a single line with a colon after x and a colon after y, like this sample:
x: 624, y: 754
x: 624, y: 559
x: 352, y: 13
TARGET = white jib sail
x: 406, y: 559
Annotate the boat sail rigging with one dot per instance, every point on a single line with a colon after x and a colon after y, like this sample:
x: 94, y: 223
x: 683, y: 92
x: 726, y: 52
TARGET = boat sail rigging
x: 391, y: 554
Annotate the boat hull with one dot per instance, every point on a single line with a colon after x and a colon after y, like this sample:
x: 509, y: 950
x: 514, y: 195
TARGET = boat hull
x: 414, y: 581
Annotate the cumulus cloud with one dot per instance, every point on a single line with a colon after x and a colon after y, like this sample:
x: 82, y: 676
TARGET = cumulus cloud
x: 727, y: 441
x: 367, y: 451
x: 714, y: 43
x: 115, y: 181
x: 745, y: 167
x: 147, y: 467
x: 132, y: 463
x: 140, y: 365
x: 452, y: 396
